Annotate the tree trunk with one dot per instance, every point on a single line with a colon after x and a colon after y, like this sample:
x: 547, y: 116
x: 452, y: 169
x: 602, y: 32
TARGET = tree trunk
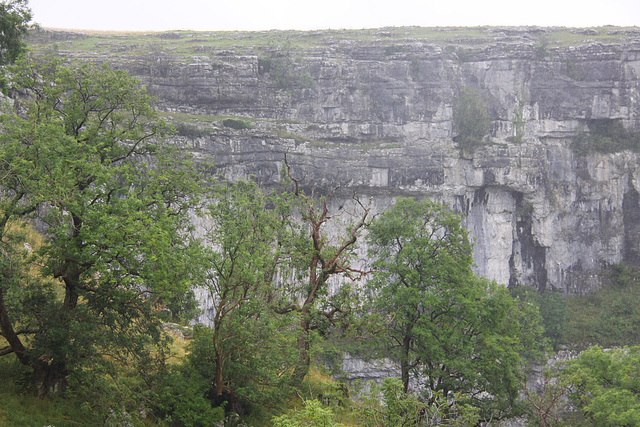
x: 49, y: 378
x: 404, y: 363
x: 218, y: 374
x: 9, y: 333
x: 304, y: 361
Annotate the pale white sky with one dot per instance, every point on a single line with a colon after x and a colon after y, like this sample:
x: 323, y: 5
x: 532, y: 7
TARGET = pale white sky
x: 216, y: 15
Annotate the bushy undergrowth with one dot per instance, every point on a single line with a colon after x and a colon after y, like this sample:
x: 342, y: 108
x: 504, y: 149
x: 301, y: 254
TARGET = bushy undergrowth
x: 191, y: 131
x: 19, y: 407
x: 236, y: 124
x: 471, y: 119
x: 606, y: 136
x: 610, y: 316
x: 607, y: 317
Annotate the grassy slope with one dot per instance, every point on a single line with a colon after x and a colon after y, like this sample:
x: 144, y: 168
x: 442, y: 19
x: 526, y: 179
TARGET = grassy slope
x: 24, y: 409
x: 190, y: 43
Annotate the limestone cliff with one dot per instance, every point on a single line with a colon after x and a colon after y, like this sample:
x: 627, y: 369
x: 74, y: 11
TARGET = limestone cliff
x: 374, y: 111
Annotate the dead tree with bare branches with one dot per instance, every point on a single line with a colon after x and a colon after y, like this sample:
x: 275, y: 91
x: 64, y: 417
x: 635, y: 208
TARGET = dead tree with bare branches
x: 322, y: 258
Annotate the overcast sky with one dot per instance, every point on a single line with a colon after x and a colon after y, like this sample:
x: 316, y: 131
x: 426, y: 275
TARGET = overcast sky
x: 215, y: 15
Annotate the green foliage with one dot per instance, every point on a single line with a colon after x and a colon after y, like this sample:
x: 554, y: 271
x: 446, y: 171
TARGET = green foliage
x: 14, y: 24
x: 553, y: 309
x: 519, y: 124
x: 552, y: 306
x: 247, y: 352
x: 471, y: 118
x: 282, y: 69
x: 541, y: 47
x: 394, y: 49
x: 397, y: 408
x: 236, y: 124
x: 312, y: 415
x: 610, y: 316
x: 605, y: 385
x: 179, y: 397
x: 23, y: 409
x: 606, y: 136
x: 191, y: 131
x: 82, y: 159
x: 465, y: 335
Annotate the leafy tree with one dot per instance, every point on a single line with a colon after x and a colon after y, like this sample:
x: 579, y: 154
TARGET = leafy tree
x: 471, y: 118
x: 553, y: 309
x: 179, y: 396
x: 460, y: 333
x: 82, y: 162
x: 552, y: 306
x: 313, y: 414
x: 14, y: 24
x: 605, y: 385
x: 398, y: 408
x: 246, y: 353
x: 318, y: 259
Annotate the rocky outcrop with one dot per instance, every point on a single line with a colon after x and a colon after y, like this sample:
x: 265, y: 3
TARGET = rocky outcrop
x: 377, y: 117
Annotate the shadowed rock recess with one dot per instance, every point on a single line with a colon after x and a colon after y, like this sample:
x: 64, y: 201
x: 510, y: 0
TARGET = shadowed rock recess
x: 375, y: 112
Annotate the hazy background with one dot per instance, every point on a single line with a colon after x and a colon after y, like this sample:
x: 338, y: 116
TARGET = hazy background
x: 203, y: 15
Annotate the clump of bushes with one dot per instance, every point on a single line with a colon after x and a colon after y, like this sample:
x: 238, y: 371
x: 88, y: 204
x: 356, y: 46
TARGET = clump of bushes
x: 606, y: 136
x: 283, y: 69
x: 610, y: 316
x: 191, y: 131
x: 236, y: 124
x: 471, y: 118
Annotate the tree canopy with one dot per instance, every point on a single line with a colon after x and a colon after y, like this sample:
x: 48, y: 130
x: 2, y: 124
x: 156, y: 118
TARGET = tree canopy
x: 461, y: 334
x: 82, y: 162
x: 14, y: 24
x: 248, y: 351
x: 471, y: 118
x: 605, y: 386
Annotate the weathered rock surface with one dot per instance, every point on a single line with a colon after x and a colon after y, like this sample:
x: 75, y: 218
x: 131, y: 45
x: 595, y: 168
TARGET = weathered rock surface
x: 377, y: 117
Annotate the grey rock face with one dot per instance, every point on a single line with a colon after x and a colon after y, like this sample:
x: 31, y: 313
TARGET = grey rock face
x: 377, y: 118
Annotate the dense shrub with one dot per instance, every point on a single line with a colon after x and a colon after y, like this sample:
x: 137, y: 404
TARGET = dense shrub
x: 471, y: 118
x: 604, y: 386
x: 191, y: 131
x: 179, y: 396
x: 283, y: 70
x: 606, y: 136
x: 553, y: 310
x: 236, y: 124
x: 610, y: 316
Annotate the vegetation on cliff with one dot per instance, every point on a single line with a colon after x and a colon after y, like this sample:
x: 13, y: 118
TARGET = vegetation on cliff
x: 464, y: 335
x: 83, y: 160
x: 98, y: 251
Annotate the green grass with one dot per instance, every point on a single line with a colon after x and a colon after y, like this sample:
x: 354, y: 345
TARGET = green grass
x: 193, y: 43
x: 21, y: 408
